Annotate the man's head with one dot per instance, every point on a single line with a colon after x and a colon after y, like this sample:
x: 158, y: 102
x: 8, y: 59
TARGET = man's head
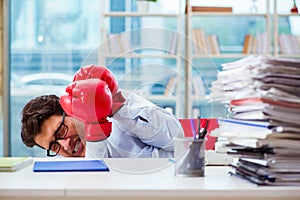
x: 42, y: 125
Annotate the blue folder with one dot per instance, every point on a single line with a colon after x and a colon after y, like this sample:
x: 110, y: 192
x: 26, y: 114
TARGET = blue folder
x: 70, y: 166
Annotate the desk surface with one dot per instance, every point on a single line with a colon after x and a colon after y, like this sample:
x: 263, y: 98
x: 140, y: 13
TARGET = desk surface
x: 135, y: 179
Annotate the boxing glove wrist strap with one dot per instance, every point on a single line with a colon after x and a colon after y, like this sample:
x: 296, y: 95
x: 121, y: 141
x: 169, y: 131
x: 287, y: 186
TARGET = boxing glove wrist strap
x: 97, y: 132
x: 118, y: 101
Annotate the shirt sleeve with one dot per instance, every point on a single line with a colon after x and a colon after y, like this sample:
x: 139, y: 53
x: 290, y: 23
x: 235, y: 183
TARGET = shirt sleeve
x: 153, y: 125
x: 96, y: 149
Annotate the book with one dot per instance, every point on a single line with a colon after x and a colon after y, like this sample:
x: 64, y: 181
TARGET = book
x: 254, y: 45
x: 262, y: 43
x: 247, y: 44
x: 215, y: 44
x: 124, y: 42
x: 170, y: 89
x: 275, y: 164
x: 210, y: 9
x: 174, y: 40
x: 205, y: 44
x: 272, y: 171
x: 105, y: 41
x: 288, y: 44
x: 200, y: 44
x: 11, y: 164
x: 265, y: 177
x: 69, y: 166
x: 114, y: 44
x: 199, y: 86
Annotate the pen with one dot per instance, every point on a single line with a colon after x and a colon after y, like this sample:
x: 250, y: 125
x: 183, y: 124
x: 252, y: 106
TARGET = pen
x: 193, y: 128
x: 259, y: 125
x: 203, y: 130
x: 199, y: 127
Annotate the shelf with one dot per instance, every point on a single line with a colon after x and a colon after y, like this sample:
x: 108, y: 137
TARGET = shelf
x: 225, y: 55
x: 228, y: 14
x: 134, y: 55
x: 171, y: 99
x: 138, y: 14
x: 288, y: 15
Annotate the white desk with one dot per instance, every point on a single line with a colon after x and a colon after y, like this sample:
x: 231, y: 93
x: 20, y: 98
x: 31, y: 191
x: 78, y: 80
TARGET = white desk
x: 135, y: 179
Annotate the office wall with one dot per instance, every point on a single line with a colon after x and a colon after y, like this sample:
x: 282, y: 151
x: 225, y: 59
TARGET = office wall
x: 1, y: 44
x: 1, y: 74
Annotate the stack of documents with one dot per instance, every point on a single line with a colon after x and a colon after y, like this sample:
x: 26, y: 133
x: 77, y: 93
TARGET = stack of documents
x: 263, y: 126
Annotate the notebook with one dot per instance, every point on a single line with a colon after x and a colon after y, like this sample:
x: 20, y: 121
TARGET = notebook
x: 70, y: 166
x: 11, y: 164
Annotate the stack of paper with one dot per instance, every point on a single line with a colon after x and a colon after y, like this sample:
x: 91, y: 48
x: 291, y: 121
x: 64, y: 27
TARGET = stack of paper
x: 263, y: 127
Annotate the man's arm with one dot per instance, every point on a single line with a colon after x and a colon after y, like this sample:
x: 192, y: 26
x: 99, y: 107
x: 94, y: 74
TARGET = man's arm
x: 153, y: 125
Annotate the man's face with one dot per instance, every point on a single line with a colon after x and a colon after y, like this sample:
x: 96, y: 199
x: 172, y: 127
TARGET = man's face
x: 71, y: 145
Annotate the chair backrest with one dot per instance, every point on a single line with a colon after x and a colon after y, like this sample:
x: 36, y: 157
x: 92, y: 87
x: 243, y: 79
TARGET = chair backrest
x: 189, y: 124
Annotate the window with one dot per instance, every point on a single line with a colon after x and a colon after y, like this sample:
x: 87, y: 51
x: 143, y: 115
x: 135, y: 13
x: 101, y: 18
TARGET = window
x: 50, y: 40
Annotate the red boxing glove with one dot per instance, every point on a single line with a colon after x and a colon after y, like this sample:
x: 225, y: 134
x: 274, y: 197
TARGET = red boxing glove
x: 98, y: 72
x: 104, y: 74
x: 89, y: 101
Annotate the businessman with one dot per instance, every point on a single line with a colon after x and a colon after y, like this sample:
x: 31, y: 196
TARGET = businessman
x: 97, y: 119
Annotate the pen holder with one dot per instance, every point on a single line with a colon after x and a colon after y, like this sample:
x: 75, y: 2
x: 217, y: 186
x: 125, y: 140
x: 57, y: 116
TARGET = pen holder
x: 189, y: 155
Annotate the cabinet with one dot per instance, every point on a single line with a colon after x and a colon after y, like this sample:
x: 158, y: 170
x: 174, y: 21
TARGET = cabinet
x: 143, y: 49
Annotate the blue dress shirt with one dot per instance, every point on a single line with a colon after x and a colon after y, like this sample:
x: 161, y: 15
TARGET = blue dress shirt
x: 139, y: 129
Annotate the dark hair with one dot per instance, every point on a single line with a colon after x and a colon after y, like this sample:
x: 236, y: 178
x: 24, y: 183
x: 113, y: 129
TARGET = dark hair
x: 34, y: 113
